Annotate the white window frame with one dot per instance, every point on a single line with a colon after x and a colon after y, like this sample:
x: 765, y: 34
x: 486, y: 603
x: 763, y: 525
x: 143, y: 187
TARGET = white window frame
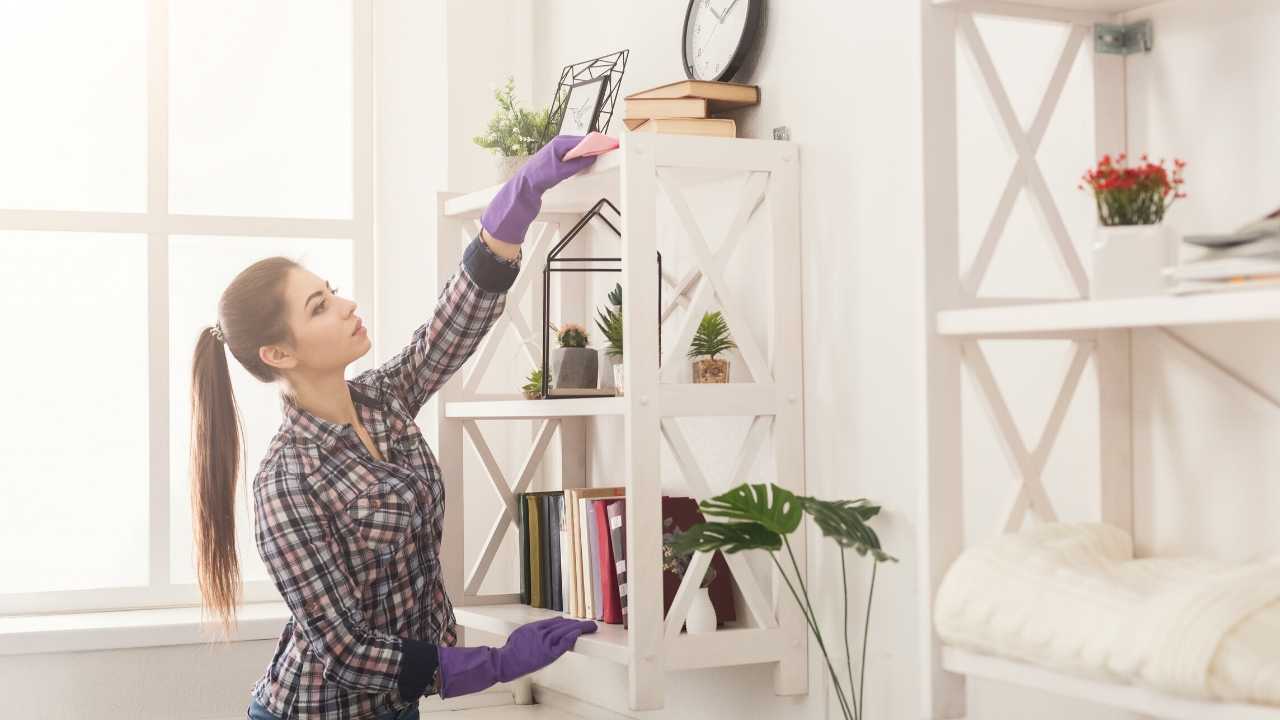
x: 158, y: 224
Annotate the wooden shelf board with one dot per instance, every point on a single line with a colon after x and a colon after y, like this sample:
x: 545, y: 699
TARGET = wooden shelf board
x: 729, y: 645
x: 552, y: 407
x: 1153, y: 311
x: 678, y: 399
x: 575, y: 195
x: 1100, y: 7
x: 1128, y: 697
x: 608, y: 642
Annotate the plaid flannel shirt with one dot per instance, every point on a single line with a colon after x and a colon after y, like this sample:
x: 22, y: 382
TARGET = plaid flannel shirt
x: 353, y: 544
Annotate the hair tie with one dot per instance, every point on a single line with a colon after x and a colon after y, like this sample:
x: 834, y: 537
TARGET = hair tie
x: 217, y: 332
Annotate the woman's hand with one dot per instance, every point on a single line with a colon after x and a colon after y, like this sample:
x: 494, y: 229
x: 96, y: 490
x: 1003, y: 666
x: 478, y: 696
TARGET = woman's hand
x: 518, y: 201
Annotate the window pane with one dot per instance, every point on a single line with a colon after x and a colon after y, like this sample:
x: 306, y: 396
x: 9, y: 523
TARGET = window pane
x: 73, y: 131
x: 200, y: 269
x: 260, y: 107
x: 73, y: 434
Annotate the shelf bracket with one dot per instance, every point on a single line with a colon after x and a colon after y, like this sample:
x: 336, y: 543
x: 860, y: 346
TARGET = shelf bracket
x: 1114, y: 39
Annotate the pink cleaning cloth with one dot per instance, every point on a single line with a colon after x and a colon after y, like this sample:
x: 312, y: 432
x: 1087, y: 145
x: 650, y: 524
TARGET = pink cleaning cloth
x: 593, y: 144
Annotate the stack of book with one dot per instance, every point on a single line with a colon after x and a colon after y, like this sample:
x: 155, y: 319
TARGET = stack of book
x: 1247, y: 258
x: 573, y: 555
x: 689, y: 107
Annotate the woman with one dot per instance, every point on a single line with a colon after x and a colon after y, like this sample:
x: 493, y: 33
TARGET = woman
x: 348, y: 500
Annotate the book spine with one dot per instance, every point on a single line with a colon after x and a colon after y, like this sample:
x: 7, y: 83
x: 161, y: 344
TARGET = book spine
x: 535, y: 552
x: 608, y: 579
x: 523, y: 507
x: 584, y: 557
x: 618, y: 544
x: 544, y: 548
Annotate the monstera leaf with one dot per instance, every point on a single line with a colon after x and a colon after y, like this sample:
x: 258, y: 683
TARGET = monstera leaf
x: 726, y: 537
x: 780, y: 514
x: 845, y: 521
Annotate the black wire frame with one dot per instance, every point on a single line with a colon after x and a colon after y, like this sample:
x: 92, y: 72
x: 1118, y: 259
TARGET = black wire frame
x: 613, y: 65
x: 553, y: 256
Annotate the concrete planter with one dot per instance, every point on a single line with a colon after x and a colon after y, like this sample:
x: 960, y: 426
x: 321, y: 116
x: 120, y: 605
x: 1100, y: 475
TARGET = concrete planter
x: 575, y: 368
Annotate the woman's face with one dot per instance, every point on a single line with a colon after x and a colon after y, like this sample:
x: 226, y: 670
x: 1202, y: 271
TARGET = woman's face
x: 328, y: 334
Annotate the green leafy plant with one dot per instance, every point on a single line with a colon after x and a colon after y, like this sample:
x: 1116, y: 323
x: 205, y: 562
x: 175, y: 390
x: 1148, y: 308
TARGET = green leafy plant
x: 609, y: 321
x: 763, y: 516
x: 571, y: 335
x: 712, y: 336
x: 513, y: 130
x: 534, y: 382
x: 678, y: 563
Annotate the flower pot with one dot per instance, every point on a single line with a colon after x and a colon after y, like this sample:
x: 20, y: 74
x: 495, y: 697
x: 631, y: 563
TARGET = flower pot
x: 1129, y: 260
x: 618, y: 377
x: 574, y: 367
x: 508, y: 165
x: 711, y: 370
x: 606, y: 380
x: 702, y: 614
x: 532, y: 394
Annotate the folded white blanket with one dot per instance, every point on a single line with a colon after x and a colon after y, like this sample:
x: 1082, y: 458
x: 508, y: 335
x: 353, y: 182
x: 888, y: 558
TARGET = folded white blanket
x: 1072, y: 597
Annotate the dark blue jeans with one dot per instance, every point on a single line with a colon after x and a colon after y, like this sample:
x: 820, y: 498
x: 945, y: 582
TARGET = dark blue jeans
x: 258, y: 712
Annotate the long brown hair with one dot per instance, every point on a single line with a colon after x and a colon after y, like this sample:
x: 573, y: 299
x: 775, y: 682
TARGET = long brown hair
x: 251, y: 313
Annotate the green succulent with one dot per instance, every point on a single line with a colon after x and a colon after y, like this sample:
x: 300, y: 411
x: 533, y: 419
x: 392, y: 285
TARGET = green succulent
x: 572, y: 335
x: 712, y: 337
x: 534, y: 381
x: 609, y: 320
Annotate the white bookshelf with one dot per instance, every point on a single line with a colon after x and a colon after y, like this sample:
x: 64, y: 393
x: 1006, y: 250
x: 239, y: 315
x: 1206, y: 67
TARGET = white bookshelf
x: 1084, y: 315
x: 957, y: 320
x: 646, y: 174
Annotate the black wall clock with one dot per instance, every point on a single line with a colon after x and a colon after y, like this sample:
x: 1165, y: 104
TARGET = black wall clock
x: 718, y: 36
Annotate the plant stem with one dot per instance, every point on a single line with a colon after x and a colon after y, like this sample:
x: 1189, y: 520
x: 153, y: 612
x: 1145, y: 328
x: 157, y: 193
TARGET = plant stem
x: 805, y: 591
x: 813, y: 625
x: 866, y: 630
x: 848, y: 656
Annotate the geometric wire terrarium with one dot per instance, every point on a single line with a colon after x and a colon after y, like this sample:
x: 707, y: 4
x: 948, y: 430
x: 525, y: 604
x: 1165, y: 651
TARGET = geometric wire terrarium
x: 558, y: 263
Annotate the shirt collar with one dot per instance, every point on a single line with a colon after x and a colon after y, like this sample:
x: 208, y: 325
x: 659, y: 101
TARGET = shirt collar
x: 311, y: 428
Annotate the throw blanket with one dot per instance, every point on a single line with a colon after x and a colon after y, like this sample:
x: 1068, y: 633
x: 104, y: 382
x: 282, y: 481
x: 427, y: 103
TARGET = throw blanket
x: 1072, y: 597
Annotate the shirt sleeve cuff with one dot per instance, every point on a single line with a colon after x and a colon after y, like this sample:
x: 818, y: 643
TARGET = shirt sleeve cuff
x: 417, y: 668
x: 486, y: 269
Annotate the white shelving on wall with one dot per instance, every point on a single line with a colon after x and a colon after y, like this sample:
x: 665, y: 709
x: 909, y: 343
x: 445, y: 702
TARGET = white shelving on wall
x: 647, y: 172
x: 957, y: 319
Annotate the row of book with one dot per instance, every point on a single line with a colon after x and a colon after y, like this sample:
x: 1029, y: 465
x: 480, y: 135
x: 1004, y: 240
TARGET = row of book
x: 689, y: 107
x: 1246, y: 258
x: 573, y: 554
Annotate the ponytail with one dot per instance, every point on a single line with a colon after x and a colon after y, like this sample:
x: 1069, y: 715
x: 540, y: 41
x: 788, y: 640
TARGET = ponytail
x: 215, y: 468
x: 252, y: 315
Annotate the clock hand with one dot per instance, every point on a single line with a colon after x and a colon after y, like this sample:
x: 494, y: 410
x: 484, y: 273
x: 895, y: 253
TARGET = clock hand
x: 712, y: 8
x: 725, y: 14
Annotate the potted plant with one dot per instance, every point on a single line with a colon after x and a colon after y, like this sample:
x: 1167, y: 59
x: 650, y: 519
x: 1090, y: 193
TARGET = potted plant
x: 763, y: 516
x: 702, y: 613
x: 533, y: 386
x: 1132, y: 245
x: 609, y: 320
x: 514, y: 133
x: 711, y: 339
x: 573, y: 363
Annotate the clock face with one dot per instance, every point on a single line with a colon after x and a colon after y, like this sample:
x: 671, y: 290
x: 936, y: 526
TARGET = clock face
x: 717, y: 34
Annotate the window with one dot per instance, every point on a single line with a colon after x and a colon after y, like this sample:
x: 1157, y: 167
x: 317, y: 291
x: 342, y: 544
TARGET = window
x: 160, y: 148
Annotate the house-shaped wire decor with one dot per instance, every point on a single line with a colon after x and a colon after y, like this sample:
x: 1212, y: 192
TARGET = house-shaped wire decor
x: 557, y: 263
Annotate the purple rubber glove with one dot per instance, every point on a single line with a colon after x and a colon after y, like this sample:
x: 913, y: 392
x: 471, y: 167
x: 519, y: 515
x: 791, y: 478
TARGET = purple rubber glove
x: 519, y: 200
x: 531, y: 646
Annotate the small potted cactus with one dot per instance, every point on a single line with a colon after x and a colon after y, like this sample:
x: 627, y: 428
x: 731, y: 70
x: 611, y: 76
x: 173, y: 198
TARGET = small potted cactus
x: 574, y: 365
x: 609, y: 321
x: 533, y: 386
x: 711, y: 339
